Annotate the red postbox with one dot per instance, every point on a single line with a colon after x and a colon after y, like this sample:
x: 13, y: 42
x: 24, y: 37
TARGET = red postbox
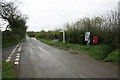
x: 95, y: 39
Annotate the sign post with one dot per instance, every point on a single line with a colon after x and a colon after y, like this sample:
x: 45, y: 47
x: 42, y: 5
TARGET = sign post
x: 63, y: 35
x: 87, y: 37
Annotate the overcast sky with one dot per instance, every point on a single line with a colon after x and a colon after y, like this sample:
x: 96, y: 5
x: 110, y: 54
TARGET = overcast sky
x: 51, y: 14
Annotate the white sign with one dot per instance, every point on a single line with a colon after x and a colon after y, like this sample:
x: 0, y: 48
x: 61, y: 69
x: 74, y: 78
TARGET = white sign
x: 87, y: 35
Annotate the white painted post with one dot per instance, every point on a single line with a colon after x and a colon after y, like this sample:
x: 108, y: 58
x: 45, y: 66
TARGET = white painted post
x: 63, y: 36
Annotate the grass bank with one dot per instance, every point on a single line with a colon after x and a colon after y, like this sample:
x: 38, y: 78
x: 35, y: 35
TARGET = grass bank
x: 7, y: 70
x: 100, y: 52
x: 7, y: 67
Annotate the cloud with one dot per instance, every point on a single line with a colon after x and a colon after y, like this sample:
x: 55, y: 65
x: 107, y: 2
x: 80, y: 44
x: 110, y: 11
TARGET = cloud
x: 50, y: 14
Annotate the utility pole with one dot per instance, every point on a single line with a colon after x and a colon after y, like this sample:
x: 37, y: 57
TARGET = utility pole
x: 63, y: 36
x: 63, y: 31
x: 88, y: 42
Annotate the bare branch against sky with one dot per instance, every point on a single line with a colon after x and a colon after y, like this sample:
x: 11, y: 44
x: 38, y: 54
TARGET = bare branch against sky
x: 51, y: 14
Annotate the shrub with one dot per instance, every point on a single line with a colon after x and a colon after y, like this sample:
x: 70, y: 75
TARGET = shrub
x: 113, y: 57
x: 99, y: 51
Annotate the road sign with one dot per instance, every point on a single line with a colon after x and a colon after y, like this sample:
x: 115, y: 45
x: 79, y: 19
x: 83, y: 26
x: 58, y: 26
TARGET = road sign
x: 95, y: 39
x: 87, y: 35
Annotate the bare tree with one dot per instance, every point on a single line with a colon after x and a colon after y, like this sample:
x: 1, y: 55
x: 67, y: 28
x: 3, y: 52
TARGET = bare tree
x: 9, y: 13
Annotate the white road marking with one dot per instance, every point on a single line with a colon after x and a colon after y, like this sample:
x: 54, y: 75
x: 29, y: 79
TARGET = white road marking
x: 9, y: 57
x: 21, y: 43
x: 43, y: 50
x: 15, y: 48
x: 8, y: 60
x: 17, y: 45
x: 82, y: 76
x: 17, y: 59
x: 13, y: 51
x: 48, y: 53
x: 17, y: 56
x: 16, y: 63
x: 19, y: 49
x: 34, y: 38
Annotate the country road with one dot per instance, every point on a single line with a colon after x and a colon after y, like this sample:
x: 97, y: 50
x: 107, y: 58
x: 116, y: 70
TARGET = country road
x: 39, y: 60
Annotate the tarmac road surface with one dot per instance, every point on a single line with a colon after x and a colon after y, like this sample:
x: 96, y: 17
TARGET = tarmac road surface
x: 39, y: 60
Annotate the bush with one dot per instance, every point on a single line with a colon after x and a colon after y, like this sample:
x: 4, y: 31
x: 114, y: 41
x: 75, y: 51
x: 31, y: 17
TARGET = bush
x: 100, y: 52
x: 113, y: 57
x: 31, y: 34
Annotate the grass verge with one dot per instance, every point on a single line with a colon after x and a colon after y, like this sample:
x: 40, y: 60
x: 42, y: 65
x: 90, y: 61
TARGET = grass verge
x: 7, y: 70
x: 66, y: 45
x: 101, y: 52
x: 113, y: 57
